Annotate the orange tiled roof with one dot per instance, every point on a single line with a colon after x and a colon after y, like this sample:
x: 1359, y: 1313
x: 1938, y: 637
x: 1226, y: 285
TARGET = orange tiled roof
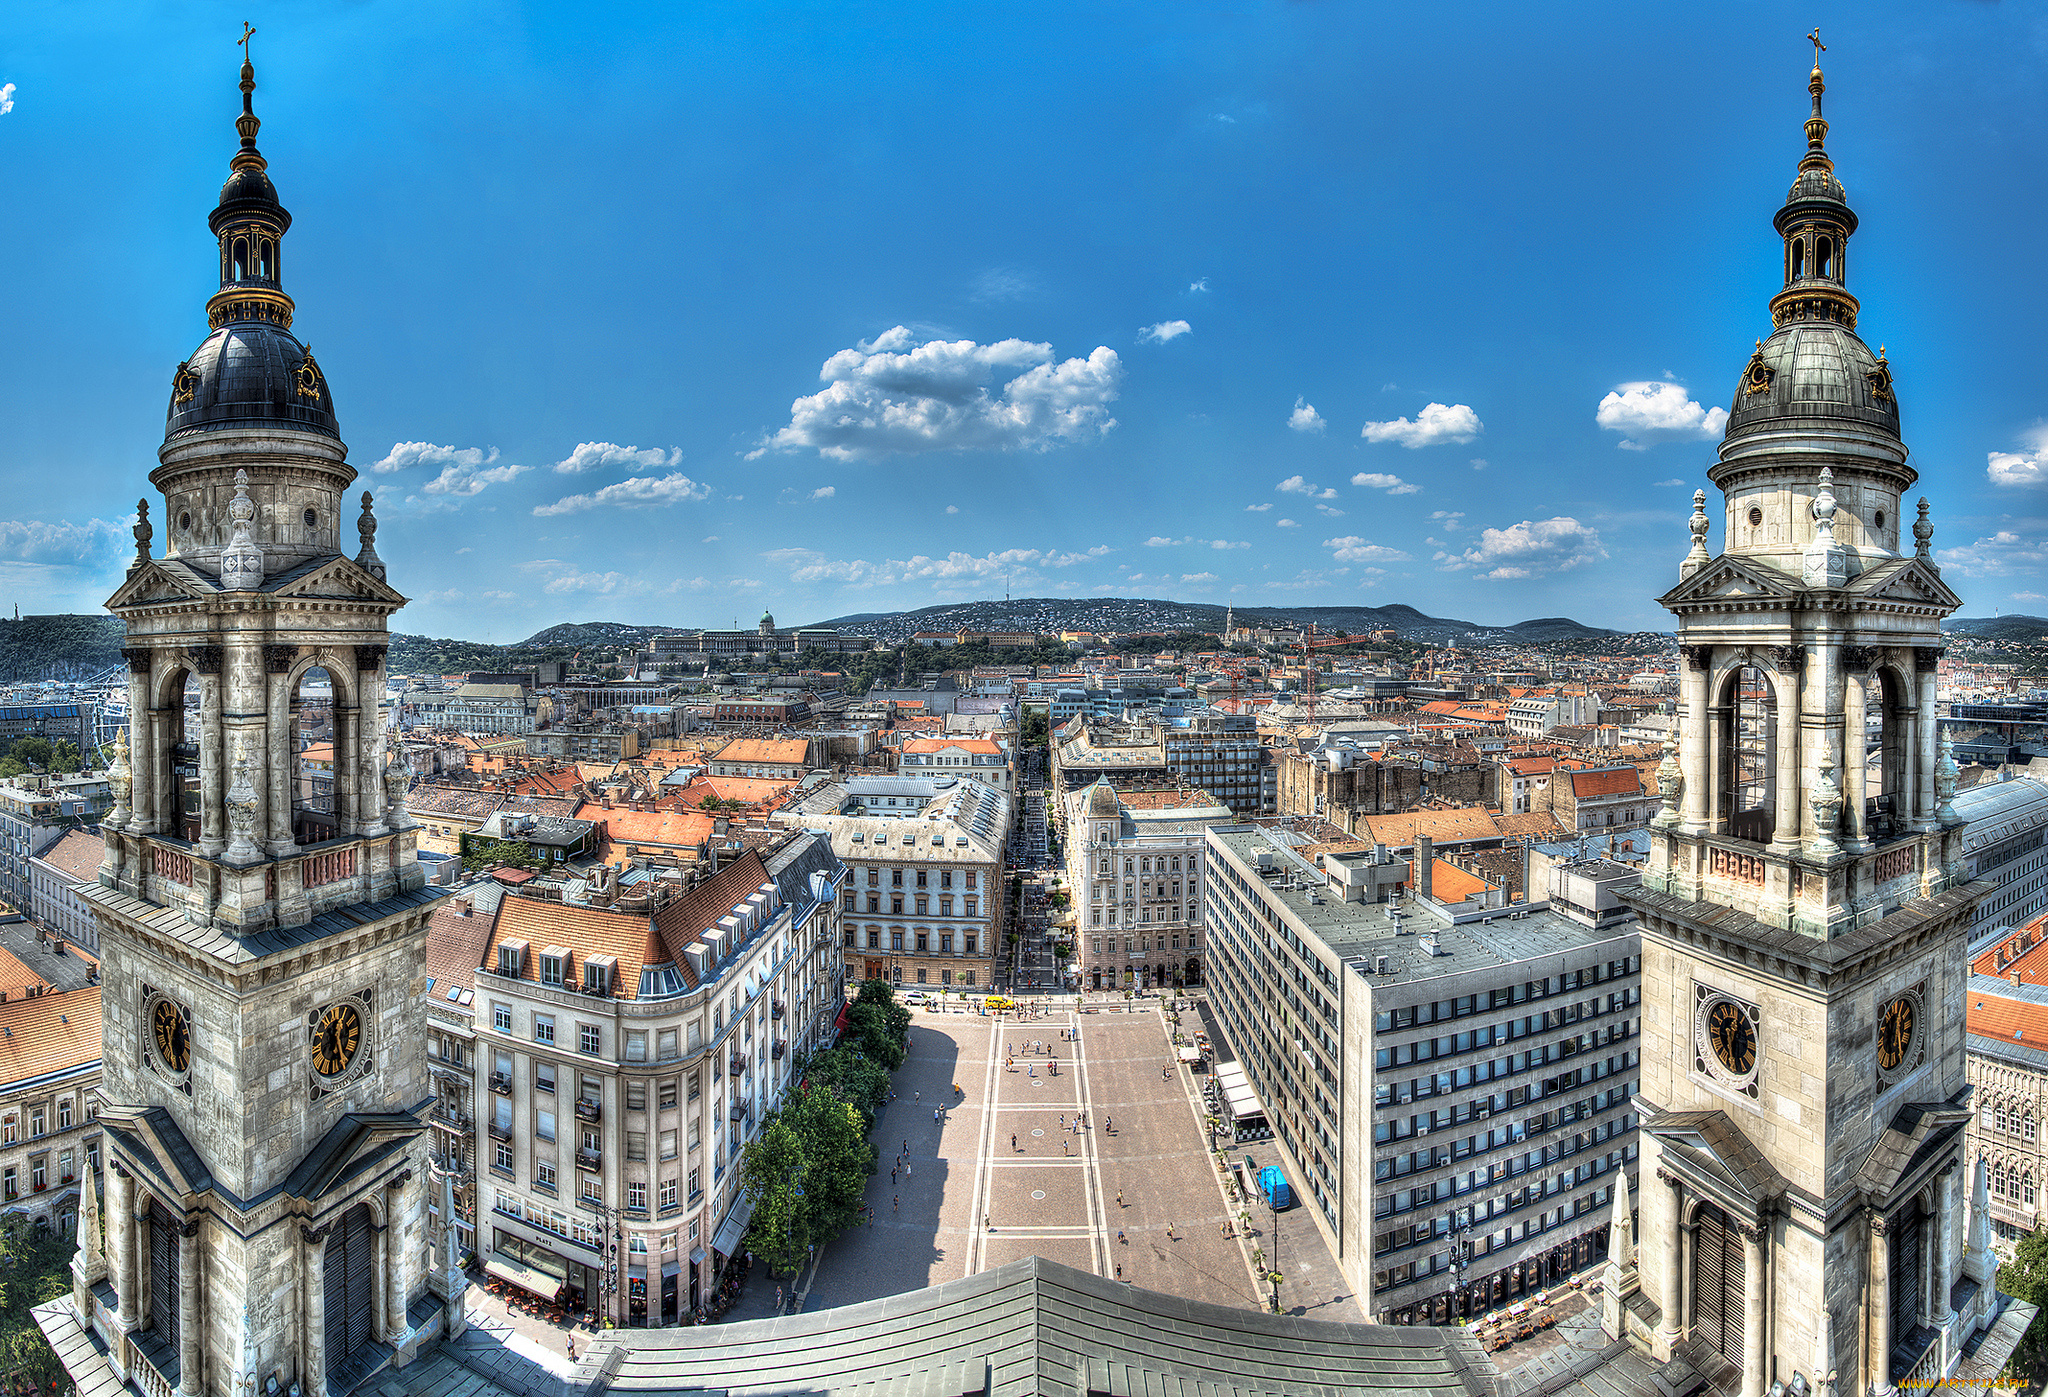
x: 49, y: 1033
x: 1623, y: 782
x: 2013, y: 1020
x: 16, y: 979
x: 748, y: 790
x: 77, y: 854
x: 1539, y: 824
x: 687, y: 918
x: 582, y: 931
x: 785, y: 751
x: 981, y: 746
x: 1447, y: 882
x: 1444, y: 826
x: 684, y: 827
x: 317, y: 752
x: 1530, y: 766
x: 2019, y: 953
x: 455, y: 947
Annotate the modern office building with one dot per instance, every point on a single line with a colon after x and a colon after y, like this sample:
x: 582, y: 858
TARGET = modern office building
x: 2005, y: 844
x: 1449, y: 1083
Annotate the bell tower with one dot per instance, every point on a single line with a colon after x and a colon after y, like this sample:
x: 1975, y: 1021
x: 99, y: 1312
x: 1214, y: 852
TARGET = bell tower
x: 1805, y: 907
x: 263, y: 913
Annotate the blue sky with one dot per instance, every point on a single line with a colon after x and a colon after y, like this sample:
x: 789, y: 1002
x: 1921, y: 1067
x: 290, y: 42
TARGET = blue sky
x: 674, y: 316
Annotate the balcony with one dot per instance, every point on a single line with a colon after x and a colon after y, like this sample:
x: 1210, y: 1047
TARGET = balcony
x: 500, y: 1132
x: 589, y: 1111
x: 779, y: 1049
x: 740, y: 1109
x: 737, y: 1065
x: 588, y: 1159
x: 774, y: 1008
x: 501, y: 1083
x: 452, y: 1120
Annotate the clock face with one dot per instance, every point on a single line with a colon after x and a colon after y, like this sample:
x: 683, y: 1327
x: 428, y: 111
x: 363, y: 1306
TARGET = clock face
x: 1896, y: 1024
x: 337, y: 1035
x: 1732, y: 1036
x: 167, y: 1024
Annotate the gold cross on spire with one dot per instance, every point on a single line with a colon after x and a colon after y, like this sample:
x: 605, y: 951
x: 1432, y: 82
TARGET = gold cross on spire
x: 248, y: 30
x: 1819, y: 48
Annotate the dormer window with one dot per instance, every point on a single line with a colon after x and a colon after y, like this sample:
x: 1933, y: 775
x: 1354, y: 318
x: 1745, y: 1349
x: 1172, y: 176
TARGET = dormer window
x: 554, y: 962
x: 512, y: 958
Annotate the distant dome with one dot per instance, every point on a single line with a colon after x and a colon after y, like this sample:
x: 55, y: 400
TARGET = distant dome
x: 1817, y: 369
x: 1102, y: 801
x: 251, y: 374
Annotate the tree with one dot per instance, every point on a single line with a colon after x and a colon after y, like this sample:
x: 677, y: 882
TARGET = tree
x: 37, y: 1264
x: 872, y: 1035
x: 33, y: 752
x: 769, y: 1167
x: 855, y: 1078
x: 493, y: 853
x: 2025, y: 1277
x: 10, y: 767
x: 838, y: 1158
x: 65, y: 757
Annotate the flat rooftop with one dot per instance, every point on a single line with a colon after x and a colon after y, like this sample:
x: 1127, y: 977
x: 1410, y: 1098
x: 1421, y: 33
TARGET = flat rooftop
x: 1354, y: 930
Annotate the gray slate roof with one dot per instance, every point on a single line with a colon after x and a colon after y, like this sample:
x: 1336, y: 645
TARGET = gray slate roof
x: 1036, y: 1327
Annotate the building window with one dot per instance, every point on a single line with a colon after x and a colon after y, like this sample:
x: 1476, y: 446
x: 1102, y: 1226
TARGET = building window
x: 64, y: 1171
x: 501, y: 1017
x: 544, y: 1124
x: 35, y: 1124
x: 636, y: 1095
x: 543, y: 1028
x: 920, y: 975
x: 668, y: 1092
x: 923, y: 944
x: 8, y: 1129
x: 544, y: 1175
x: 505, y: 1157
x: 667, y: 1044
x: 636, y: 1144
x: 588, y: 1039
x: 551, y: 971
x: 668, y: 1143
x: 593, y: 1188
x: 636, y: 1046
x: 969, y: 941
x: 544, y: 1076
x: 694, y: 1191
x: 896, y: 904
x: 946, y: 942
x: 668, y: 1193
x: 970, y: 904
x: 64, y: 1117
x: 967, y: 977
x: 895, y: 939
x: 636, y: 1199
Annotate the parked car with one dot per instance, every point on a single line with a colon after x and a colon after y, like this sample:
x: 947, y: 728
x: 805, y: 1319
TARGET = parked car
x: 914, y: 997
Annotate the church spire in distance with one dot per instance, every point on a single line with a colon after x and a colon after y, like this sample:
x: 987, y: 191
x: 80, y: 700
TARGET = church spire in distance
x: 1815, y: 224
x: 250, y: 225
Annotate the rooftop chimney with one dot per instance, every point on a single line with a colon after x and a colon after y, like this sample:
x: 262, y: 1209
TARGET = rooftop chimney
x: 1425, y: 861
x: 2016, y: 978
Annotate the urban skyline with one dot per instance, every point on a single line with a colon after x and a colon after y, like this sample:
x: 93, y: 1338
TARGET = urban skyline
x: 866, y: 310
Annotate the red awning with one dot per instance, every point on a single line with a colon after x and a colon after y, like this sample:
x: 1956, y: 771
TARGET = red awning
x: 839, y: 1024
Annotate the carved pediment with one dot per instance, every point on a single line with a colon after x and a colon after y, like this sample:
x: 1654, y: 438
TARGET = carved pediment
x: 1913, y: 581
x: 358, y: 1141
x: 331, y: 578
x: 150, y: 1140
x: 1711, y: 1153
x: 161, y: 582
x: 1732, y: 579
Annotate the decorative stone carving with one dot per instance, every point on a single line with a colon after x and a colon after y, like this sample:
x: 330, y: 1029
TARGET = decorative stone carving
x: 366, y: 529
x: 207, y: 659
x: 1826, y: 563
x: 1945, y: 774
x: 240, y: 805
x: 241, y: 565
x: 1699, y: 524
x: 120, y: 780
x: 1827, y: 809
x: 1927, y: 658
x: 189, y: 1227
x: 1923, y: 531
x: 400, y: 1179
x: 1700, y: 657
x: 139, y: 658
x: 1670, y: 785
x: 369, y: 657
x: 1858, y: 659
x: 279, y: 659
x: 143, y: 534
x: 1787, y: 659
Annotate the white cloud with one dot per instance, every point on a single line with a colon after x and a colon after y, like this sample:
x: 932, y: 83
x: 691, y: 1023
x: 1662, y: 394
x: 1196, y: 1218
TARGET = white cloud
x: 1199, y: 577
x: 1479, y: 463
x: 1532, y: 548
x: 1164, y: 331
x: 601, y: 583
x: 62, y: 542
x: 709, y: 538
x: 461, y: 479
x: 1331, y: 510
x: 1297, y: 485
x: 2019, y: 470
x: 999, y: 284
x: 952, y: 509
x: 809, y: 565
x: 499, y: 596
x: 634, y: 492
x: 1258, y: 508
x: 1157, y: 542
x: 6, y: 99
x: 1287, y: 524
x: 406, y: 455
x: 1657, y: 410
x: 1305, y: 418
x: 2029, y: 596
x: 1201, y: 284
x: 598, y: 455
x: 1452, y: 519
x: 1353, y: 549
x: 1380, y: 480
x: 1432, y: 426
x: 1666, y: 483
x: 2002, y: 554
x: 892, y: 395
x: 824, y: 492
x: 1220, y: 544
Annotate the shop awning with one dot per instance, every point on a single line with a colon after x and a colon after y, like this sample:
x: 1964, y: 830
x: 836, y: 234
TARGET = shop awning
x: 1190, y: 1054
x: 734, y: 1227
x: 839, y: 1024
x: 525, y: 1277
x: 696, y: 1256
x: 671, y: 1268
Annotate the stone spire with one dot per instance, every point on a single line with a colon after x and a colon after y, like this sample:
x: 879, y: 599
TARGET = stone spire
x: 1979, y: 1264
x: 143, y: 533
x: 241, y: 564
x: 1699, y: 524
x: 1923, y: 531
x: 366, y: 530
x: 1620, y: 1280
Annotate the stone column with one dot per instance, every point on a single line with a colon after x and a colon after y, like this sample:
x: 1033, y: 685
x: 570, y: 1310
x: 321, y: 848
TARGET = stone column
x: 1786, y: 663
x: 1669, y: 1328
x: 1754, y: 1349
x: 191, y: 1312
x: 1693, y: 738
x: 163, y: 811
x: 396, y: 1262
x: 347, y: 804
x: 1855, y: 762
x: 212, y: 759
x: 1925, y: 735
x: 1948, y: 1238
x: 1718, y: 742
x: 121, y: 1242
x: 312, y: 1314
x: 1877, y: 1334
x: 145, y: 757
x: 279, y: 758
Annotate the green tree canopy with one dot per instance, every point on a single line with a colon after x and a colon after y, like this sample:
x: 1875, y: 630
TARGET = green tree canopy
x: 2025, y: 1277
x: 33, y: 752
x: 856, y: 1078
x: 65, y: 757
x: 769, y: 1166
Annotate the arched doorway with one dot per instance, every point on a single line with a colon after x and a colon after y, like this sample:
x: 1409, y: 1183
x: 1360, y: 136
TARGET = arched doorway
x: 1191, y: 973
x: 1905, y: 1229
x: 1717, y: 1283
x: 347, y: 1289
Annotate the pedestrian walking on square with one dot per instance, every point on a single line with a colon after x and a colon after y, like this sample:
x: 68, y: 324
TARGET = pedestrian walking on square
x: 570, y: 1340
x: 1119, y: 1270
x: 892, y: 1178
x: 1063, y: 1122
x: 1120, y: 1201
x: 778, y: 1299
x: 906, y: 1168
x: 916, y: 1096
x: 896, y: 1204
x: 1121, y: 1238
x: 1013, y: 1142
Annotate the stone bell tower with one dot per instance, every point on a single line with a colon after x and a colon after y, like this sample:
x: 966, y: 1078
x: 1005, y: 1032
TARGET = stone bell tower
x: 1805, y: 908
x: 262, y: 910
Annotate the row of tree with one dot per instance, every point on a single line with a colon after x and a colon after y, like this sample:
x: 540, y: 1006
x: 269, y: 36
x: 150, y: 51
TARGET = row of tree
x: 807, y: 1170
x: 39, y: 754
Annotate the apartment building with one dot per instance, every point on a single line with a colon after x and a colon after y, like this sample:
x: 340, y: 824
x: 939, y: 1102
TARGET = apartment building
x: 2006, y: 1040
x: 978, y: 758
x: 54, y: 877
x: 624, y: 1056
x: 1134, y: 863
x: 444, y: 814
x: 1449, y: 1084
x: 924, y: 888
x: 49, y: 1076
x: 2006, y: 844
x: 585, y: 742
x: 32, y: 818
x: 763, y: 758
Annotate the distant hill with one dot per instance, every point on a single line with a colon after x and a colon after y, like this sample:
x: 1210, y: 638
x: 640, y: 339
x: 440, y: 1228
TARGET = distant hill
x: 2023, y: 628
x: 592, y: 633
x: 58, y: 647
x: 1143, y: 614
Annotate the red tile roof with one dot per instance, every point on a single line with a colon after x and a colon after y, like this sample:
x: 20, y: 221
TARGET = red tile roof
x: 77, y: 854
x: 1624, y: 781
x: 49, y: 1033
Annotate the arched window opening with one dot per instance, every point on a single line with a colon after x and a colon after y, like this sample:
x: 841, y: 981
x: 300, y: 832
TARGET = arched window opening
x: 1824, y: 258
x: 238, y: 256
x: 181, y: 756
x: 1887, y: 804
x: 319, y: 782
x: 264, y: 255
x: 1798, y: 258
x: 1749, y: 756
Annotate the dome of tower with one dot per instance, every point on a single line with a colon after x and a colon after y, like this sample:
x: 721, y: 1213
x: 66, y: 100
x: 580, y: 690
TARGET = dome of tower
x: 1814, y: 369
x: 250, y: 374
x: 1102, y: 801
x: 248, y: 187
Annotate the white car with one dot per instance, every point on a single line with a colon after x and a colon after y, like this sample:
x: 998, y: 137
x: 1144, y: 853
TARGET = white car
x: 914, y: 997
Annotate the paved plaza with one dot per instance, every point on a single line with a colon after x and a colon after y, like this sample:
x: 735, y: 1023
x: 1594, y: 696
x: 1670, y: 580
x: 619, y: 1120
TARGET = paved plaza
x: 1108, y: 1171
